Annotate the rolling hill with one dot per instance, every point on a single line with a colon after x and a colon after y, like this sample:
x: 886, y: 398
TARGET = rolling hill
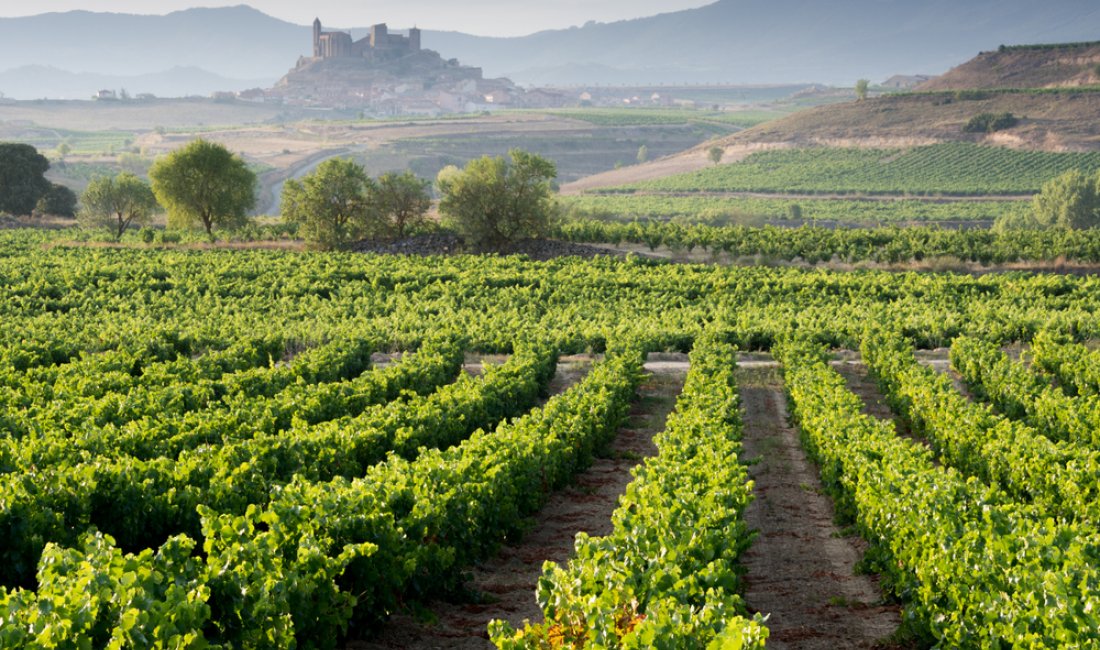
x: 1025, y: 66
x: 733, y: 41
x: 1049, y: 88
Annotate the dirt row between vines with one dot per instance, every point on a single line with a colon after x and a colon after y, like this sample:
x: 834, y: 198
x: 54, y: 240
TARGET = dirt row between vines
x: 801, y: 569
x: 503, y: 587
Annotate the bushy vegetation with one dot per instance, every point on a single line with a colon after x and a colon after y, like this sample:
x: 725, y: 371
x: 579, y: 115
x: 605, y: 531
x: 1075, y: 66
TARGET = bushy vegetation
x: 117, y: 203
x: 22, y: 178
x: 204, y: 185
x: 494, y: 201
x: 990, y: 123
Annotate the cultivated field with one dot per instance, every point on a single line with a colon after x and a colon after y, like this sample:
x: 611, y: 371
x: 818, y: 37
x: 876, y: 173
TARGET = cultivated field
x: 332, y: 448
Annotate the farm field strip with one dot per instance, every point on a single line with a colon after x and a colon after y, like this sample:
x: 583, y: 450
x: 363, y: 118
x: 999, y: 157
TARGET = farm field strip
x: 245, y: 415
x: 177, y: 401
x: 318, y: 533
x: 1076, y: 367
x: 425, y: 519
x: 970, y: 565
x: 669, y: 568
x: 847, y: 245
x: 1063, y: 478
x: 807, y: 209
x: 106, y: 492
x: 939, y: 169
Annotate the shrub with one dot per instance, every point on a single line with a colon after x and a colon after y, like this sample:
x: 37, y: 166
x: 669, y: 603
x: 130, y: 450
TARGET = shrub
x: 991, y: 122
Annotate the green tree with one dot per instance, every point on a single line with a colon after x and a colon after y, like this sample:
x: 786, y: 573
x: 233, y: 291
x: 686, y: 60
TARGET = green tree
x: 330, y: 204
x: 204, y: 184
x: 643, y: 154
x: 861, y: 89
x: 715, y: 154
x: 1070, y: 201
x: 22, y: 178
x: 401, y: 200
x: 60, y: 201
x: 117, y: 203
x: 494, y: 201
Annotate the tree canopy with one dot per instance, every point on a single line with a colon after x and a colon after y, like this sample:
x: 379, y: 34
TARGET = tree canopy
x: 22, y: 178
x: 1070, y: 201
x: 330, y: 204
x: 117, y: 203
x: 402, y: 201
x: 204, y: 184
x: 60, y: 201
x: 494, y: 201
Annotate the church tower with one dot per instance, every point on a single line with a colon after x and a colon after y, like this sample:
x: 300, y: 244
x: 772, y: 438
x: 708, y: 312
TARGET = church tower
x: 316, y: 38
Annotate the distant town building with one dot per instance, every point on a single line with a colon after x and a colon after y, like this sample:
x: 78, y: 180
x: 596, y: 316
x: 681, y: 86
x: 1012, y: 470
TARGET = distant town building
x: 905, y: 81
x: 379, y: 44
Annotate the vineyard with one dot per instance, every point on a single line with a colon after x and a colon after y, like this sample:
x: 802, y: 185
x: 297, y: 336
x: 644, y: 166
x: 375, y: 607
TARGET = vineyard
x: 815, y: 244
x: 942, y: 169
x: 747, y: 210
x: 250, y: 448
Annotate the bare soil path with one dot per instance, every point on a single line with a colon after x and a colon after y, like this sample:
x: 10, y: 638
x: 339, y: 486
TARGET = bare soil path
x: 801, y: 567
x: 506, y: 582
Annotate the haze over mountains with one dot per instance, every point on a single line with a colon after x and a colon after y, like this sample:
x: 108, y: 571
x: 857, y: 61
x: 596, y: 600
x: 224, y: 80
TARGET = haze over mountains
x: 731, y: 41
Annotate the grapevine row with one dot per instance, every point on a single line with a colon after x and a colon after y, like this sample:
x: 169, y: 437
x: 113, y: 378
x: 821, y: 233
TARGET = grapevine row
x: 321, y: 556
x: 1062, y: 477
x: 667, y: 575
x: 1019, y: 393
x: 143, y: 502
x: 973, y: 568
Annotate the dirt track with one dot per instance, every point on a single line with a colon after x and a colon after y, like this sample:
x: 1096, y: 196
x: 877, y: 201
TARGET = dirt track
x: 801, y: 567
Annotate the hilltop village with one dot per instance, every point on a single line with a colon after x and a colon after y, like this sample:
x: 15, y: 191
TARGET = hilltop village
x: 387, y: 73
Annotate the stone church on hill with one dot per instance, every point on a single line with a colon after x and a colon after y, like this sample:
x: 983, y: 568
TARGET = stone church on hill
x: 379, y: 45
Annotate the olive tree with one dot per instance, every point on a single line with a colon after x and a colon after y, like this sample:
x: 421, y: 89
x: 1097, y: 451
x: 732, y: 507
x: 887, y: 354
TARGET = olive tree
x: 401, y: 201
x: 1070, y: 201
x: 117, y: 203
x: 22, y: 178
x: 715, y: 153
x: 495, y: 201
x: 330, y: 204
x: 204, y: 184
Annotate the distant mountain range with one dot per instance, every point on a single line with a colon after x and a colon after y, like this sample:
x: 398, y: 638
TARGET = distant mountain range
x: 730, y: 41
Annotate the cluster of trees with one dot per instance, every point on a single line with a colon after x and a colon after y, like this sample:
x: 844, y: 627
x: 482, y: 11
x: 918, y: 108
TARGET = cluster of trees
x: 203, y: 184
x: 338, y: 202
x: 491, y: 202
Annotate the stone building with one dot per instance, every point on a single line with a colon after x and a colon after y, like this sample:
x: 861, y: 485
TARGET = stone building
x: 380, y: 44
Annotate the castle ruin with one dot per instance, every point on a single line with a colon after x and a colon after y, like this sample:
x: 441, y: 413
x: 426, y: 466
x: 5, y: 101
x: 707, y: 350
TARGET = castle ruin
x: 379, y: 45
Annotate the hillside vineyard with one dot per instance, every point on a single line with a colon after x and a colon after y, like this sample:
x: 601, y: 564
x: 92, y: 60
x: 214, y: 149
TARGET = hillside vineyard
x: 198, y: 449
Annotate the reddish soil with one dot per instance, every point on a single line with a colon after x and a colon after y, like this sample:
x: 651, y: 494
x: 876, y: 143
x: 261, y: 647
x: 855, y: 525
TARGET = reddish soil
x: 506, y: 582
x: 801, y: 567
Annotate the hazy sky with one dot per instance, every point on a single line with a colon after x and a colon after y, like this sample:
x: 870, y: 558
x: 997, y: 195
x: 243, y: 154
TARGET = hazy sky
x: 485, y: 17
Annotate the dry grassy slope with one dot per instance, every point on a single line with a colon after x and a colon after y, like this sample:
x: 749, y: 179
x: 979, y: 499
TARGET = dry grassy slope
x: 1049, y: 122
x: 1071, y: 65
